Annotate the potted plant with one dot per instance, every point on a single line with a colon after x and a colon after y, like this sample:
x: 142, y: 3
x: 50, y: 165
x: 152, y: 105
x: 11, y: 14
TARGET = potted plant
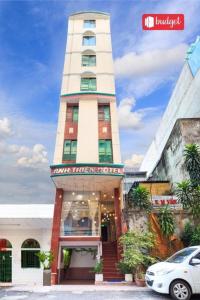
x: 46, y: 258
x: 136, y: 247
x: 140, y: 276
x: 98, y: 270
x: 126, y: 270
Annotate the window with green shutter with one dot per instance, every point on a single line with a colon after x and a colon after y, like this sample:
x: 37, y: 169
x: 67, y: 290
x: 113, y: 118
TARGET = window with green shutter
x: 88, y: 84
x: 104, y: 112
x: 29, y: 250
x: 88, y: 60
x: 105, y: 151
x: 75, y: 113
x: 70, y: 149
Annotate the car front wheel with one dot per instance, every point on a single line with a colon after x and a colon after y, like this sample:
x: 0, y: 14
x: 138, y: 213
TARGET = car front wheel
x: 180, y: 290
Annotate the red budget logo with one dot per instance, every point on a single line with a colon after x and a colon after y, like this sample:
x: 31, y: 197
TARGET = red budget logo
x: 163, y: 22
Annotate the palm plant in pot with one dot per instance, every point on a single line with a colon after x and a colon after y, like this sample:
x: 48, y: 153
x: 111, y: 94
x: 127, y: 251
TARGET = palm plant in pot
x: 126, y: 270
x: 136, y: 247
x: 46, y: 258
x: 98, y: 270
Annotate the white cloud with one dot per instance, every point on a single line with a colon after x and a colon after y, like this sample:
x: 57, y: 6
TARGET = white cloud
x: 127, y: 118
x: 134, y: 162
x: 149, y: 62
x: 5, y: 128
x: 37, y: 158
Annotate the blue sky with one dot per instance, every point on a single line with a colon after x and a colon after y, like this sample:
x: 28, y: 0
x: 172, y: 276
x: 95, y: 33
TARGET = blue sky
x: 33, y: 38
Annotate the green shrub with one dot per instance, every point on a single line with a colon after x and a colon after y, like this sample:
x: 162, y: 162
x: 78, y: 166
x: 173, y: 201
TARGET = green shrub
x: 137, y: 246
x: 191, y: 235
x: 123, y: 267
x: 98, y: 268
x: 140, y: 197
x: 187, y: 234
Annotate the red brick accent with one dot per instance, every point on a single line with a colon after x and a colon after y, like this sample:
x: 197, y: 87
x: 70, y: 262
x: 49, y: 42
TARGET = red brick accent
x: 56, y: 234
x: 105, y: 135
x: 70, y: 124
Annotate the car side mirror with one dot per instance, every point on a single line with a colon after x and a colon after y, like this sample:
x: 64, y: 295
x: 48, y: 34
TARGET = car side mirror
x: 194, y: 261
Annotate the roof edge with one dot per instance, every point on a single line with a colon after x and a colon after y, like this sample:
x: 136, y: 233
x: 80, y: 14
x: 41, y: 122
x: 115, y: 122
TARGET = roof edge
x: 89, y: 12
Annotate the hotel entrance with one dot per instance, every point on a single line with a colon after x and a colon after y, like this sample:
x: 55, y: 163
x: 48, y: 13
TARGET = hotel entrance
x: 88, y: 209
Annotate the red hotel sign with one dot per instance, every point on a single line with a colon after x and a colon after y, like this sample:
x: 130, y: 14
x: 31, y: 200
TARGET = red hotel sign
x: 89, y: 170
x: 163, y: 22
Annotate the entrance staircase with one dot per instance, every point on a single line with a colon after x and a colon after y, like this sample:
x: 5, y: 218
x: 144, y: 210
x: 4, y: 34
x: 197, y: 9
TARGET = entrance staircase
x: 109, y: 253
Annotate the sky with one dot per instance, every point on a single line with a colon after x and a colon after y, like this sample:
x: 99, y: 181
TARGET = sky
x: 32, y: 46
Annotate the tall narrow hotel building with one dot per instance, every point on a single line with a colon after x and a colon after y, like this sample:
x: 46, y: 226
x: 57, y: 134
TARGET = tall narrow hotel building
x: 87, y: 170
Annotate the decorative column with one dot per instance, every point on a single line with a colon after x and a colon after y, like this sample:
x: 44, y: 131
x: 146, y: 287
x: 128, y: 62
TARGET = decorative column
x: 118, y: 221
x: 118, y: 214
x: 56, y: 234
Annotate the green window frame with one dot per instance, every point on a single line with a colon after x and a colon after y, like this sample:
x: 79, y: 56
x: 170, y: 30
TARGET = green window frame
x: 105, y: 151
x: 29, y: 250
x: 89, y: 40
x: 104, y: 113
x: 88, y: 84
x: 75, y: 113
x: 88, y: 60
x: 69, y: 150
x: 29, y: 259
x: 89, y: 23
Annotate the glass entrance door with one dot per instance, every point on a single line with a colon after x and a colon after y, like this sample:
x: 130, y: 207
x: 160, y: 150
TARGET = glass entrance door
x: 5, y: 266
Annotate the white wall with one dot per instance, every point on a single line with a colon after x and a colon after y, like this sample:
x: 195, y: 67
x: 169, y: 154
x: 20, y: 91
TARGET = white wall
x: 81, y: 260
x: 104, y: 70
x: 184, y: 103
x: 87, y: 146
x: 17, y: 237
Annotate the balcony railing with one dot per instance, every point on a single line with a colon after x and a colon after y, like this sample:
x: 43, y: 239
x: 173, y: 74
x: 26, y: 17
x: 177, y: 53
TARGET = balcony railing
x: 105, y: 158
x: 71, y: 157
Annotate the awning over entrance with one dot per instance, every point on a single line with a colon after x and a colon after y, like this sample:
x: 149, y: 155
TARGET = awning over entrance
x: 90, y: 177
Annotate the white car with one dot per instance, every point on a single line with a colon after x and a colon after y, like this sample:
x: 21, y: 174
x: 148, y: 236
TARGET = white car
x: 178, y: 276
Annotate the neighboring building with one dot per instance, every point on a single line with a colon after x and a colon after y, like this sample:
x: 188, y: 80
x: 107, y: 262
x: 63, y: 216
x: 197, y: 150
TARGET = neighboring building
x: 132, y: 176
x: 87, y: 169
x: 184, y: 103
x: 25, y: 229
x: 171, y: 163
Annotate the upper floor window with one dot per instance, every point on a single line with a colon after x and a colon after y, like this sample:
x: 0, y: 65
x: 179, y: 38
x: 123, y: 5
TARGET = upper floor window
x: 75, y: 113
x: 88, y: 84
x: 89, y: 24
x: 89, y: 40
x: 88, y: 60
x: 72, y: 113
x: 105, y: 151
x: 104, y: 112
x: 70, y: 149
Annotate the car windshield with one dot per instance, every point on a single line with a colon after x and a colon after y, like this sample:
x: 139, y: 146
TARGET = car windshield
x: 181, y: 256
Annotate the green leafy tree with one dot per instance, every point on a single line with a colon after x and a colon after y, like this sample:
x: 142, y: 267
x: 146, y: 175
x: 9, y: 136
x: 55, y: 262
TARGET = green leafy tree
x: 192, y: 162
x: 46, y: 258
x: 166, y: 221
x: 188, y: 195
x: 191, y: 235
x: 98, y: 268
x: 137, y: 246
x: 140, y: 197
x: 187, y: 234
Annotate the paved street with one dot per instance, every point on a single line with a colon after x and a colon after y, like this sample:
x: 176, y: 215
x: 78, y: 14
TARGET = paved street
x: 9, y: 294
